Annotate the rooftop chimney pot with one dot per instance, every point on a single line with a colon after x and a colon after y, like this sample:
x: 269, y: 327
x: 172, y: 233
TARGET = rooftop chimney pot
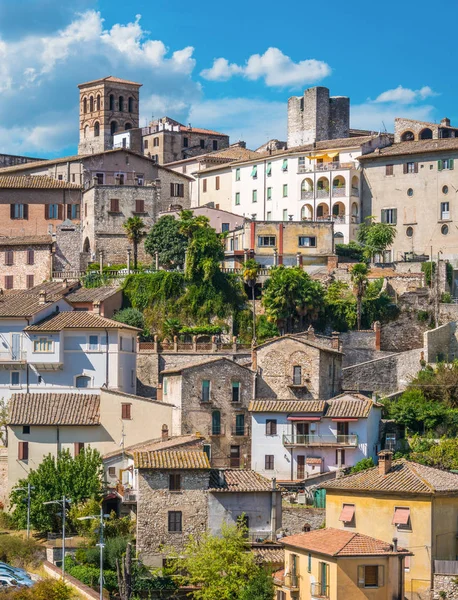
x: 385, y: 458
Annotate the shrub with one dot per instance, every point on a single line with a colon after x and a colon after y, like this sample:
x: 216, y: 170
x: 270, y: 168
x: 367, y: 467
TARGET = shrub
x: 352, y: 250
x: 428, y: 268
x: 46, y: 589
x: 446, y: 297
x: 6, y: 521
x: 423, y: 316
x: 19, y: 552
x: 89, y: 574
x: 130, y: 316
x: 362, y: 465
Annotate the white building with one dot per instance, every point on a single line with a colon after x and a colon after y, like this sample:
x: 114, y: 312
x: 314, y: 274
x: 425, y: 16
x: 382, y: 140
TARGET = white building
x: 46, y: 346
x: 292, y: 440
x: 317, y: 182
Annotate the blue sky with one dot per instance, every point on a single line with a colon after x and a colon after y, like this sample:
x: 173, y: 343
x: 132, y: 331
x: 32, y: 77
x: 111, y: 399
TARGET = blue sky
x: 225, y: 66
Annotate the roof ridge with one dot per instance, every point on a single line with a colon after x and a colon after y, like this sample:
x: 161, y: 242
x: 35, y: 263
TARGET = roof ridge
x: 411, y: 465
x: 353, y: 535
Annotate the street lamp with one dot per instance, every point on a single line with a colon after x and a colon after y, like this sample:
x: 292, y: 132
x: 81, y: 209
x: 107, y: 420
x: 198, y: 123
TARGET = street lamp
x: 64, y: 503
x: 100, y: 544
x: 28, y: 490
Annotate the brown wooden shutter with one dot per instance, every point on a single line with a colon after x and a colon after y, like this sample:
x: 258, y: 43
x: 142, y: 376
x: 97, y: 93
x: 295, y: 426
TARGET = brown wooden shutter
x: 9, y: 257
x: 11, y: 211
x: 47, y: 211
x: 140, y: 206
x: 125, y: 411
x: 181, y: 190
x: 30, y: 257
x: 69, y: 211
x: 204, y: 184
x: 217, y: 183
x: 26, y: 211
x: 79, y: 446
x: 23, y: 451
x: 415, y: 167
x: 404, y: 168
x: 60, y: 211
x: 172, y: 190
x: 9, y: 282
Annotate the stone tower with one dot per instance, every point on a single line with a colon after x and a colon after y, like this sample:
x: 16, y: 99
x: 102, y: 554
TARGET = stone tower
x: 316, y: 116
x: 107, y: 106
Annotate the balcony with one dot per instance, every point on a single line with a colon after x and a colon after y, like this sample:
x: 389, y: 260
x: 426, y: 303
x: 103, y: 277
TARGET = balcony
x: 319, y: 590
x: 322, y: 194
x: 287, y: 580
x: 307, y: 195
x: 216, y: 430
x: 320, y: 440
x: 240, y: 431
x: 12, y: 357
x: 329, y: 166
x: 339, y: 192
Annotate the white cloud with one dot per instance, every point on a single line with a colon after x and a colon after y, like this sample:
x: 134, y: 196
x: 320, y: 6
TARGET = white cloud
x: 277, y: 69
x: 404, y: 95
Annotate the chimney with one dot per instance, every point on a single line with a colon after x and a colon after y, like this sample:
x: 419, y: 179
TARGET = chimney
x: 96, y: 307
x: 385, y: 458
x: 378, y: 334
x: 42, y: 297
x: 254, y: 358
x: 395, y: 544
x: 445, y: 122
x: 64, y: 284
x: 335, y: 340
x: 165, y: 433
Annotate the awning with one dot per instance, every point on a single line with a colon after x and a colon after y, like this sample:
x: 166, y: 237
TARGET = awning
x: 344, y: 420
x: 303, y: 418
x: 313, y: 461
x: 318, y: 156
x: 401, y: 516
x: 347, y: 514
x: 333, y: 154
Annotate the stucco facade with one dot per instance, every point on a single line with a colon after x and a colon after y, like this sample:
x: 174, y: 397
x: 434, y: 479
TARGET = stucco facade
x: 26, y: 261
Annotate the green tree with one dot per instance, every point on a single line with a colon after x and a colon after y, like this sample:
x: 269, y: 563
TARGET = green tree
x: 166, y: 239
x: 250, y: 276
x: 375, y: 237
x: 171, y: 328
x: 134, y: 227
x: 291, y: 296
x: 362, y: 465
x: 4, y: 417
x: 219, y: 566
x: 260, y: 586
x: 130, y: 316
x: 340, y: 305
x: 78, y: 478
x: 359, y: 278
x: 442, y: 454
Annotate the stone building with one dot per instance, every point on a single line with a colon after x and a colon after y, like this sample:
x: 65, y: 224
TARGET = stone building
x: 212, y: 398
x: 180, y: 495
x: 107, y: 105
x: 409, y: 130
x: 9, y: 160
x: 27, y: 261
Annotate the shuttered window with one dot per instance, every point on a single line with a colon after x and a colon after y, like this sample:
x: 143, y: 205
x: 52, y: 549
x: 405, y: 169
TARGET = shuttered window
x: 114, y: 205
x: 269, y: 462
x: 284, y: 166
x: 30, y: 257
x: 73, y: 211
x: 23, y: 450
x: 175, y: 521
x: 217, y: 183
x: 204, y: 185
x: 19, y: 211
x: 126, y: 411
x: 9, y: 257
x: 389, y: 215
x: 410, y: 167
x: 139, y: 206
x: 8, y: 282
x: 371, y: 576
x: 175, y: 482
x: 389, y: 169
x: 177, y: 189
x: 79, y: 446
x: 254, y: 172
x: 271, y: 426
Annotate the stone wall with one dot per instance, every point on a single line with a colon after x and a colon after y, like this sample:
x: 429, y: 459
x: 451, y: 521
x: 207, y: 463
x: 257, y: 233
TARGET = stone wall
x: 294, y: 519
x: 10, y: 160
x: 359, y: 346
x: 69, y: 243
x: 447, y: 584
x: 20, y: 270
x: 439, y: 343
x: 404, y: 333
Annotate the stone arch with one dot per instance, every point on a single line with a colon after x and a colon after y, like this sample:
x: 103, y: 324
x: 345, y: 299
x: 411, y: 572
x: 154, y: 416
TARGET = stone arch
x: 86, y: 130
x: 306, y: 188
x: 338, y: 186
x: 87, y: 245
x: 307, y: 212
x: 128, y: 126
x: 322, y: 185
x: 85, y: 105
x: 322, y: 211
x: 407, y: 136
x: 300, y: 359
x: 426, y: 134
x: 338, y: 210
x: 355, y: 182
x: 96, y: 129
x: 113, y: 127
x: 354, y: 209
x: 91, y: 103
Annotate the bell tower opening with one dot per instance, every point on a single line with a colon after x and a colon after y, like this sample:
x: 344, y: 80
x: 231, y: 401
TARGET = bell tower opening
x: 102, y: 103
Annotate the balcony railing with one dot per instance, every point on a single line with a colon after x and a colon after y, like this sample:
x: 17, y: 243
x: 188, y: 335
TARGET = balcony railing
x: 354, y: 191
x: 320, y: 440
x: 217, y: 430
x: 240, y: 431
x: 307, y: 195
x: 339, y: 192
x: 329, y: 166
x: 319, y: 590
x: 13, y: 356
x: 322, y: 194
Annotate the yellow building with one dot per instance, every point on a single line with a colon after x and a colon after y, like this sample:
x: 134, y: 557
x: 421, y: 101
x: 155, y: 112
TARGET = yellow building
x: 340, y: 565
x: 416, y: 504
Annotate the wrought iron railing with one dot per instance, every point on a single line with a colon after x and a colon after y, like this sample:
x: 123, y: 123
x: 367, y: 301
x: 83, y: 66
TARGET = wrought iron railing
x: 319, y: 590
x: 319, y: 440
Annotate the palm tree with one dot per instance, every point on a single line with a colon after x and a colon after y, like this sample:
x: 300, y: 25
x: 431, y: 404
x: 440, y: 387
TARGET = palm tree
x: 359, y: 278
x: 134, y: 227
x: 250, y: 276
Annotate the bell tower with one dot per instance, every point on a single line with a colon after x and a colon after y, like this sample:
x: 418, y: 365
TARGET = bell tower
x: 107, y: 106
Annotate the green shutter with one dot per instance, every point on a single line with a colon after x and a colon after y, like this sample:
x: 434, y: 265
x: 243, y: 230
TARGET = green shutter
x: 254, y: 171
x: 237, y: 198
x: 440, y: 165
x: 285, y: 165
x: 309, y: 567
x: 255, y: 195
x: 451, y: 163
x: 395, y: 216
x: 269, y: 168
x: 269, y: 193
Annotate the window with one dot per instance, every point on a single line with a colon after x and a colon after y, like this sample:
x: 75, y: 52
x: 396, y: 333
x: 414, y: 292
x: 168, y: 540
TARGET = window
x: 93, y: 343
x: 285, y: 190
x: 216, y: 422
x: 269, y: 169
x: 23, y: 451
x: 19, y: 211
x: 307, y: 241
x: 83, y: 381
x: 8, y: 282
x: 297, y: 375
x: 164, y: 386
x: 444, y: 229
x: 202, y: 144
x: 204, y: 185
x: 410, y: 192
x: 26, y: 429
x: 401, y: 518
x: 177, y: 189
x: 254, y: 196
x: 281, y: 595
x: 217, y: 182
x: 234, y: 457
x: 284, y: 166
x: 85, y: 105
x: 91, y: 104
x: 111, y: 471
x: 121, y: 104
x: 269, y: 462
x: 389, y: 170
x: 73, y: 211
x: 15, y: 378
x: 445, y: 210
x: 78, y: 447
x: 42, y: 345
x: 126, y: 411
x: 269, y: 193
x: 347, y: 515
x: 447, y: 163
x: 9, y: 257
x: 389, y: 215
x: 156, y: 142
x: 271, y: 426
x: 130, y: 106
x: 114, y: 205
x: 111, y: 102
x: 185, y: 142
x: 215, y: 144
x: 285, y: 214
x: 224, y: 227
x: 208, y: 450
x: 145, y: 144
x: 174, y: 482
x: 411, y: 167
x: 239, y: 425
x: 139, y: 206
x: 254, y: 172
x: 175, y: 521
x: 235, y: 391
x: 409, y: 231
x: 237, y: 198
x: 269, y: 216
x: 370, y: 576
x: 237, y: 174
x: 205, y: 395
x: 29, y: 281
x: 309, y: 563
x: 53, y: 211
x: 266, y: 240
x: 445, y: 189
x: 100, y: 178
x: 96, y: 129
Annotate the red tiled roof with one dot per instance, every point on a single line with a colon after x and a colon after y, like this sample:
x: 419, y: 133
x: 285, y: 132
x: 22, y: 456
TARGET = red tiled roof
x: 42, y: 182
x: 200, y: 130
x: 54, y: 409
x: 111, y: 79
x: 77, y: 320
x: 238, y: 480
x: 27, y: 240
x: 171, y: 459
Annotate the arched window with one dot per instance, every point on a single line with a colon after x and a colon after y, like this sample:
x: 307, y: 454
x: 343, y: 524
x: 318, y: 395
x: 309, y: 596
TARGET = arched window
x: 121, y: 103
x: 85, y: 105
x: 96, y: 129
x: 113, y: 127
x: 91, y: 104
x: 216, y: 422
x: 83, y: 381
x: 98, y: 102
x: 307, y: 213
x: 111, y: 102
x: 426, y: 134
x: 128, y: 126
x: 131, y: 105
x: 407, y: 136
x: 87, y: 245
x: 86, y: 130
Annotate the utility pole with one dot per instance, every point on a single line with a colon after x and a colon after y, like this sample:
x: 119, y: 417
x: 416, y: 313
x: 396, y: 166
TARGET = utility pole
x: 101, y: 543
x: 28, y: 489
x: 436, y: 304
x: 64, y: 503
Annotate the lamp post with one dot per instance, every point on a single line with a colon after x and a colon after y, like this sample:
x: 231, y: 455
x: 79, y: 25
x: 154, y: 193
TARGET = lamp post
x: 101, y: 543
x: 64, y: 502
x: 28, y: 490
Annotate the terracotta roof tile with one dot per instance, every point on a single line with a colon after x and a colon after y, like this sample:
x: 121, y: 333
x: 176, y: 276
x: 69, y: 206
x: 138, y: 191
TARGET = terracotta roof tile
x: 272, y: 555
x: 238, y: 480
x: 159, y: 444
x: 171, y: 459
x: 296, y: 406
x: 200, y: 364
x: 54, y: 409
x: 77, y: 320
x: 185, y: 129
x: 23, y: 304
x: 350, y: 405
x: 110, y: 78
x: 42, y: 182
x: 414, y: 147
x: 404, y: 476
x: 337, y: 542
x: 27, y: 240
x: 92, y: 294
